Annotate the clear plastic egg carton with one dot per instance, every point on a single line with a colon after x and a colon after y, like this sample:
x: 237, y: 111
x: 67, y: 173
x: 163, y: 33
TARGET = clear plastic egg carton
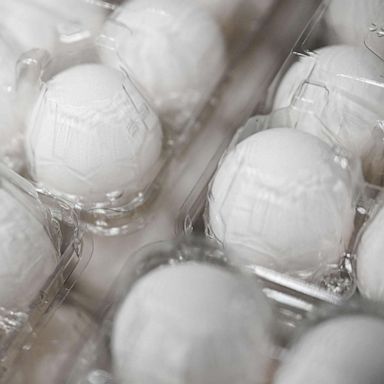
x: 335, y: 73
x: 114, y: 210
x: 189, y: 273
x: 45, y: 358
x: 295, y: 293
x: 50, y: 24
x: 310, y: 102
x: 108, y: 177
x: 181, y: 74
x: 10, y: 147
x: 90, y: 175
x: 41, y: 235
x: 340, y: 345
x: 25, y: 26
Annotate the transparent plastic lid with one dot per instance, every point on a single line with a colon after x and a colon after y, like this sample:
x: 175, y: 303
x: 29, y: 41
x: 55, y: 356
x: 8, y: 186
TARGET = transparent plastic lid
x: 337, y: 345
x: 97, y: 144
x: 43, y: 248
x: 159, y: 298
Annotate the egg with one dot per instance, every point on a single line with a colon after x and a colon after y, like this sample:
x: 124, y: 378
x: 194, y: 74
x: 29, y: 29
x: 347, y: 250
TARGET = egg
x: 89, y: 16
x: 349, y: 21
x: 92, y: 135
x: 27, y: 254
x: 28, y: 26
x: 160, y: 43
x: 343, y: 87
x: 344, y: 350
x: 369, y: 266
x: 192, y: 323
x: 52, y: 347
x: 46, y: 24
x: 11, y: 148
x: 10, y: 127
x: 283, y: 199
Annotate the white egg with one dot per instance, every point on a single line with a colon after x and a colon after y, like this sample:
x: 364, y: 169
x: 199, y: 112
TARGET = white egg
x: 91, y: 134
x: 369, y: 259
x: 192, y: 323
x: 11, y: 148
x: 173, y: 49
x: 89, y: 16
x: 343, y: 87
x: 348, y: 21
x: 280, y: 200
x: 44, y: 23
x: 10, y: 132
x: 27, y: 255
x: 28, y: 26
x: 345, y: 350
x: 52, y: 348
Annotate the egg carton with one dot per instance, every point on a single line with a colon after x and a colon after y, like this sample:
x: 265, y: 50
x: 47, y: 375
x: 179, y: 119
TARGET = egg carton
x: 339, y: 84
x: 180, y: 106
x: 296, y: 297
x: 330, y: 25
x: 92, y: 360
x: 45, y: 357
x: 119, y: 211
x: 74, y: 249
x: 336, y: 341
x: 51, y: 27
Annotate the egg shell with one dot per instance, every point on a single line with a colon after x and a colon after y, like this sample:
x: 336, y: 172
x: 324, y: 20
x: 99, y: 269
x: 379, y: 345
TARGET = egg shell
x: 88, y: 16
x: 191, y: 323
x: 369, y: 256
x: 91, y: 133
x: 343, y: 87
x: 345, y: 350
x: 280, y: 200
x: 28, y: 256
x: 160, y: 43
x: 11, y: 150
x: 348, y: 21
x: 28, y: 25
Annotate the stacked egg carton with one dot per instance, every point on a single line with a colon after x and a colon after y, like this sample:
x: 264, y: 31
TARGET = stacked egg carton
x: 112, y: 122
x: 306, y: 250
x: 113, y: 177
x: 44, y: 247
x: 57, y: 89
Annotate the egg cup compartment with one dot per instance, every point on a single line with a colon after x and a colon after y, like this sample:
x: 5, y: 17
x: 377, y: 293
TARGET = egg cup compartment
x: 105, y: 208
x: 93, y: 359
x: 338, y: 101
x: 319, y: 34
x: 55, y: 26
x: 46, y: 356
x: 374, y: 40
x: 10, y: 122
x: 314, y: 37
x: 74, y: 250
x: 295, y: 296
x: 331, y: 336
x: 366, y: 245
x: 188, y: 93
